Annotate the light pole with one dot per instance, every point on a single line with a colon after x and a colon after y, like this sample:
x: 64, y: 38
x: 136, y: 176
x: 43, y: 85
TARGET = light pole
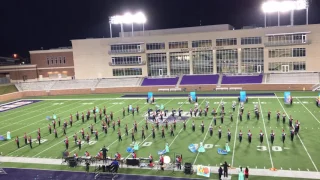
x: 127, y: 18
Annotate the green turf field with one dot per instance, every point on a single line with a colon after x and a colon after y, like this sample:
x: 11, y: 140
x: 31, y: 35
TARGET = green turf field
x: 5, y: 89
x: 301, y: 154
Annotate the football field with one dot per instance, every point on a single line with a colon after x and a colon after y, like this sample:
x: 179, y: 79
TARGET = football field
x: 301, y: 154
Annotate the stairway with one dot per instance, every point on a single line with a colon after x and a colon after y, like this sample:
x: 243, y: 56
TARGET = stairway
x: 140, y: 81
x: 179, y: 81
x: 316, y: 87
x: 219, y: 80
x: 19, y: 87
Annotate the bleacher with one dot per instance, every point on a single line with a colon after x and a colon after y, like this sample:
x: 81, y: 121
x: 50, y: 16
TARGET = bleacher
x: 199, y: 79
x: 294, y: 78
x: 75, y: 84
x: 119, y: 82
x: 242, y: 79
x: 160, y: 81
x: 35, y: 86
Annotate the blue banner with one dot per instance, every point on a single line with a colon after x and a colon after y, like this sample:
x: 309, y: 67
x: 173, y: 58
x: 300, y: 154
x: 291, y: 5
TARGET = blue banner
x: 150, y: 95
x: 193, y: 96
x: 243, y: 96
x: 287, y: 97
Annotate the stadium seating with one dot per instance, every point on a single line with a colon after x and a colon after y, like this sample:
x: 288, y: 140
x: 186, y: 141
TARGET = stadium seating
x: 230, y: 79
x: 119, y: 82
x: 75, y: 84
x: 199, y: 79
x: 160, y: 81
x: 35, y: 86
x: 293, y: 78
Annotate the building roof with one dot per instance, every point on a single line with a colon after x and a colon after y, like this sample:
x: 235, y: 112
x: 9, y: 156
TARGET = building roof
x: 185, y: 30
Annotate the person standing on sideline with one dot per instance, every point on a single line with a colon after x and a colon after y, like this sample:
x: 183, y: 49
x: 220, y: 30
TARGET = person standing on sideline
x: 220, y: 171
x: 104, y: 153
x: 246, y: 173
x: 241, y: 175
x: 225, y: 169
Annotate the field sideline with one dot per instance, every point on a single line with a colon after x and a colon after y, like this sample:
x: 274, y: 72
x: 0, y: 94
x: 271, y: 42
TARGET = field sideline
x: 301, y: 154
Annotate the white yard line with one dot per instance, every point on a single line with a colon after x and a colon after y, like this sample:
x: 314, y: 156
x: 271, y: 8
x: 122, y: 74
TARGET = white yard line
x: 182, y: 127
x: 46, y: 112
x: 235, y: 136
x: 199, y: 95
x: 265, y: 130
x: 68, y: 137
x: 207, y: 132
x: 138, y: 123
x: 44, y: 136
x: 28, y: 109
x: 141, y: 143
x: 309, y: 111
x: 299, y: 138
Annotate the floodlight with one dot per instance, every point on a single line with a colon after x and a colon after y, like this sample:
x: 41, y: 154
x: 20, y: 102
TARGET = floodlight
x: 286, y: 6
x: 301, y: 4
x: 115, y: 19
x: 140, y: 18
x: 128, y: 18
x: 269, y: 7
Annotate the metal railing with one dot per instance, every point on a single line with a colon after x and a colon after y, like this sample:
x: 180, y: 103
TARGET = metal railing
x: 132, y: 64
x: 286, y: 43
x: 127, y: 51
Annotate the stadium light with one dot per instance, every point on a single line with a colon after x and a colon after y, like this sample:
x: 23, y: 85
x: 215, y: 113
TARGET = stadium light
x: 285, y: 6
x: 127, y: 18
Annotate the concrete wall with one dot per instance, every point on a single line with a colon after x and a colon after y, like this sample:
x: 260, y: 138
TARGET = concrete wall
x: 247, y: 87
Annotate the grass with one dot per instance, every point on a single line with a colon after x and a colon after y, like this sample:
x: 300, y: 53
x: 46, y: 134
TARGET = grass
x: 5, y: 89
x: 301, y: 154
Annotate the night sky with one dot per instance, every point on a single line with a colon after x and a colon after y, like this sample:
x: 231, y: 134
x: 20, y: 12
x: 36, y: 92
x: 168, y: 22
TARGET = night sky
x: 31, y: 24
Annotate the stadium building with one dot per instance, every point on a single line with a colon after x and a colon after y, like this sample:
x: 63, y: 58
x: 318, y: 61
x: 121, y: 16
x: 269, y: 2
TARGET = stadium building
x: 193, y: 50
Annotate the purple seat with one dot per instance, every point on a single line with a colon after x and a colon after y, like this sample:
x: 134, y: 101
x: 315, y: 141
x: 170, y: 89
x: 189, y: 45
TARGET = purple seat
x: 241, y: 79
x: 159, y: 81
x: 199, y: 79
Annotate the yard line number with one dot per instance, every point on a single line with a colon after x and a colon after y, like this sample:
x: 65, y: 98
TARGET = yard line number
x: 273, y: 148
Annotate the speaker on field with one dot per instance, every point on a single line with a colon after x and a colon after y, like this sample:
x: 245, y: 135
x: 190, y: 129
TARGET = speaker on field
x: 188, y: 168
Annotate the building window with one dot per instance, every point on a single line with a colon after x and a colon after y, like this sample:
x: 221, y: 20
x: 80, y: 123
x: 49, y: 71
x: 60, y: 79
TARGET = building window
x: 56, y: 60
x: 157, y: 64
x: 288, y: 52
x: 202, y: 62
x: 155, y: 46
x: 227, y: 61
x: 299, y: 52
x: 202, y: 43
x: 126, y: 48
x: 293, y: 66
x: 288, y: 39
x: 178, y: 45
x: 252, y: 60
x: 129, y: 60
x: 251, y: 40
x: 179, y: 63
x: 226, y: 42
x: 127, y: 72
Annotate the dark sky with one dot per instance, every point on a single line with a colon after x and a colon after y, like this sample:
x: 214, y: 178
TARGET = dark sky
x: 32, y: 24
